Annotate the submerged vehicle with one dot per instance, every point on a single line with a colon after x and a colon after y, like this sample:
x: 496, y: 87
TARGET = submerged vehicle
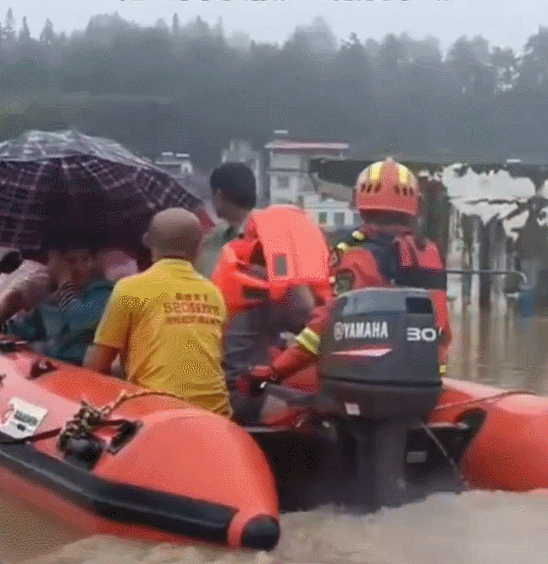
x: 372, y: 425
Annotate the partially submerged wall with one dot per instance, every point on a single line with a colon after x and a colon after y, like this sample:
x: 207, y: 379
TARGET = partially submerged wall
x: 487, y: 211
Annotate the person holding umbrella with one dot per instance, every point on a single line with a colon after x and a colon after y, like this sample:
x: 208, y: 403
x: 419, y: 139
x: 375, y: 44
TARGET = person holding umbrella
x: 91, y: 181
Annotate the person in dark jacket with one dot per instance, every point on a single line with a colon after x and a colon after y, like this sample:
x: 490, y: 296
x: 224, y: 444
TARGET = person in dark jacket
x: 63, y: 324
x: 249, y: 337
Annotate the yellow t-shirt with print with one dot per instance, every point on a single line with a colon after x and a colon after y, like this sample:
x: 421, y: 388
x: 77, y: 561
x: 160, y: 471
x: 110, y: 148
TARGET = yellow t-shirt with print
x: 167, y: 323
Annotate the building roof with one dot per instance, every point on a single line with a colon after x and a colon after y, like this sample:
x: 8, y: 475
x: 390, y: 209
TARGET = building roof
x: 490, y: 195
x: 488, y: 191
x: 297, y: 145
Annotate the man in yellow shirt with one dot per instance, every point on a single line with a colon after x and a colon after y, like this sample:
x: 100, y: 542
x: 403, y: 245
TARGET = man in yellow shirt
x: 166, y: 323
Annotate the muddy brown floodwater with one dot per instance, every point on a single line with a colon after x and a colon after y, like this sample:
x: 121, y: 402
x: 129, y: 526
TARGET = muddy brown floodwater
x: 470, y: 528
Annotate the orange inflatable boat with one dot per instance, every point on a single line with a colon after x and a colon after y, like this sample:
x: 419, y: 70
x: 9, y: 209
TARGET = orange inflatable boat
x: 510, y: 449
x: 147, y: 466
x: 401, y: 431
x: 374, y: 424
x: 507, y: 443
x: 358, y: 432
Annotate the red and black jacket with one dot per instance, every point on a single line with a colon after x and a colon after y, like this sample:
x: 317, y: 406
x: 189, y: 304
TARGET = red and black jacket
x: 375, y: 257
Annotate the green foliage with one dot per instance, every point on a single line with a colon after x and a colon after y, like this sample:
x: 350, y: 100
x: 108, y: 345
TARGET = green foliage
x: 184, y: 86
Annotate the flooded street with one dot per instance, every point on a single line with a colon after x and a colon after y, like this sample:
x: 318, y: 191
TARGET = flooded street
x: 471, y: 528
x: 502, y: 351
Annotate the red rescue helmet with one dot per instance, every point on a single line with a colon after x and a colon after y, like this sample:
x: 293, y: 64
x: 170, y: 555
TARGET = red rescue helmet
x: 387, y: 186
x: 280, y: 248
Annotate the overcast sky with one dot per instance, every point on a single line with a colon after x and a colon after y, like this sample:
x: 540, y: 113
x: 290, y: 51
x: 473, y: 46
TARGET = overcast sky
x: 502, y: 22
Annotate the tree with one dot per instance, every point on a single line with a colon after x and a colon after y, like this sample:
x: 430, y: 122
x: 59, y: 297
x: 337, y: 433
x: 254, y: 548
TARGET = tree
x: 395, y: 93
x: 505, y: 63
x: 9, y: 32
x: 162, y: 25
x: 391, y: 54
x: 533, y: 69
x: 472, y: 76
x: 197, y: 29
x: 352, y: 88
x: 239, y: 41
x: 372, y: 48
x: 24, y: 33
x: 218, y: 29
x: 175, y: 25
x: 480, y: 48
x: 420, y: 51
x: 47, y: 37
x: 318, y: 37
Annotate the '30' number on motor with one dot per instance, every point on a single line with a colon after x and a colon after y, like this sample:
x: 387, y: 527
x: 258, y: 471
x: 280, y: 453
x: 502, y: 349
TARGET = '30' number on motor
x: 417, y: 334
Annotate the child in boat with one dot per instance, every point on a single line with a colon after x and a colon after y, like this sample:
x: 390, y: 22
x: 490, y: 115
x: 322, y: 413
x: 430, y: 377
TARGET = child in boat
x: 166, y: 322
x: 384, y: 251
x: 63, y: 324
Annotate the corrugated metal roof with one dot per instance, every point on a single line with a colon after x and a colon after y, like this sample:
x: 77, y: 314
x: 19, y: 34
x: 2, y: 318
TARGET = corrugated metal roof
x: 488, y: 196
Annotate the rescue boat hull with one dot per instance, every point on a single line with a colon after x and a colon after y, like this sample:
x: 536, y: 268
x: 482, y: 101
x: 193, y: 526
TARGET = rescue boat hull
x: 510, y: 449
x: 181, y: 474
x: 504, y: 444
x: 169, y: 472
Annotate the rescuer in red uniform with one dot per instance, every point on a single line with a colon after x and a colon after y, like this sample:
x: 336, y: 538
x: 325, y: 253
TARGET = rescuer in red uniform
x: 385, y: 251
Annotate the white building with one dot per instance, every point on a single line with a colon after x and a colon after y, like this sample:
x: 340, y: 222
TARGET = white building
x: 288, y: 177
x: 177, y: 165
x: 330, y: 214
x: 242, y: 152
x: 180, y: 166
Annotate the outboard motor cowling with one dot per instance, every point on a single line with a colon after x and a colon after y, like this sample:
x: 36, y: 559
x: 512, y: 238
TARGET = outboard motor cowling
x: 379, y: 354
x: 379, y: 359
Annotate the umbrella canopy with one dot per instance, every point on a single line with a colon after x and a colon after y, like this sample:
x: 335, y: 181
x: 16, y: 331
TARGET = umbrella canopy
x: 47, y: 178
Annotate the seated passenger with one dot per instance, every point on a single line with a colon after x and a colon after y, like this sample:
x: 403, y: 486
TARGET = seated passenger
x: 166, y: 322
x: 272, y: 277
x: 63, y: 325
x: 249, y: 337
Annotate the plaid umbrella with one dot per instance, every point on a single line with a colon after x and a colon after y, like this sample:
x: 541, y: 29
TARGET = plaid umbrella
x: 88, y: 181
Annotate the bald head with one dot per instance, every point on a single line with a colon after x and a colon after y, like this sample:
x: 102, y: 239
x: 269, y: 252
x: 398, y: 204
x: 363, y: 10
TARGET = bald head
x: 174, y: 232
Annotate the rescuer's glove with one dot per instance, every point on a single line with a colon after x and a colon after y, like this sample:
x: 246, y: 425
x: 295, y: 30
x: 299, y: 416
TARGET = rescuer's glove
x: 252, y: 383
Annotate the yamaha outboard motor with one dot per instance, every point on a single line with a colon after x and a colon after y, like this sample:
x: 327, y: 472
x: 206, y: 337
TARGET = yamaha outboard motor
x: 379, y: 360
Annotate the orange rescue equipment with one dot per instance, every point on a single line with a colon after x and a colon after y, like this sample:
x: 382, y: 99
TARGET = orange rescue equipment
x: 357, y: 268
x: 281, y: 247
